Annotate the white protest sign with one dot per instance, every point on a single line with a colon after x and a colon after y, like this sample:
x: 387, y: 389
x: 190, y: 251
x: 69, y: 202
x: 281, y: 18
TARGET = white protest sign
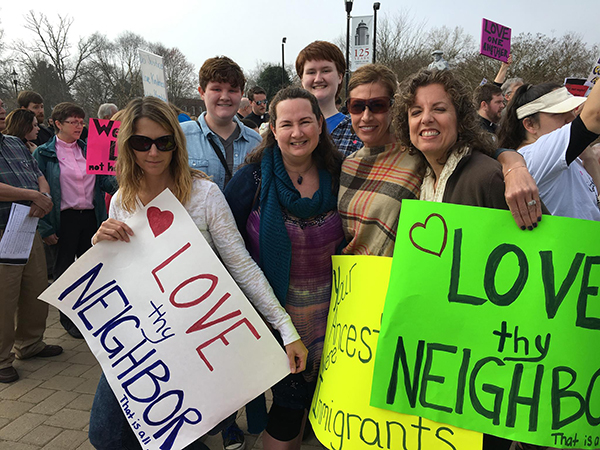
x: 594, y: 74
x: 153, y: 75
x: 361, y: 39
x: 180, y: 345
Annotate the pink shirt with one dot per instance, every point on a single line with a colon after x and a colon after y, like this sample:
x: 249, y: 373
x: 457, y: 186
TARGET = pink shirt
x: 76, y: 186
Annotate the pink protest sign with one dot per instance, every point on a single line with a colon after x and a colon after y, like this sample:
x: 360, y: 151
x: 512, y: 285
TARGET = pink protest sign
x: 495, y: 40
x: 102, y: 146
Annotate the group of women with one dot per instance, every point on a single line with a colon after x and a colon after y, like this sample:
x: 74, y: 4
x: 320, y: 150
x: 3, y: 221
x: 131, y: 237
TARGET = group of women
x: 296, y: 202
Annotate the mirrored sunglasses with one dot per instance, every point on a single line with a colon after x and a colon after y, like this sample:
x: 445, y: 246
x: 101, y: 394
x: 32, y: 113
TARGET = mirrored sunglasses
x: 144, y: 143
x: 376, y: 105
x: 261, y: 102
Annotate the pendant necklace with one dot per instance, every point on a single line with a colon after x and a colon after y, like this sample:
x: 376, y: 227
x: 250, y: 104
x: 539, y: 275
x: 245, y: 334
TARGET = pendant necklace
x: 300, y: 177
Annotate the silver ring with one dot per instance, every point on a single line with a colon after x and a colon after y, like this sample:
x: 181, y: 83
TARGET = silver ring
x: 532, y: 203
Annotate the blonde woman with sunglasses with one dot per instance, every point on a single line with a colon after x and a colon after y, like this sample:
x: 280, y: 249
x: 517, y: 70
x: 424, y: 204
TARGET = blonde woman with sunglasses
x: 153, y: 157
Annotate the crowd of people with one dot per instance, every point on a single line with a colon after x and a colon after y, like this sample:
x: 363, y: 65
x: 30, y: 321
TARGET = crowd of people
x: 277, y: 189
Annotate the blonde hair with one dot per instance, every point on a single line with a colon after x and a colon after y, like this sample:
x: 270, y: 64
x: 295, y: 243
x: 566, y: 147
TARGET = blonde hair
x: 129, y: 174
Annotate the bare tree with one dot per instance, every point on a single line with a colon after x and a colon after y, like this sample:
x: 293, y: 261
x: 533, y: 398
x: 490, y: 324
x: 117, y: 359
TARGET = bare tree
x: 538, y: 58
x: 6, y: 90
x: 400, y: 37
x: 456, y: 44
x: 253, y: 75
x: 180, y: 74
x: 52, y: 41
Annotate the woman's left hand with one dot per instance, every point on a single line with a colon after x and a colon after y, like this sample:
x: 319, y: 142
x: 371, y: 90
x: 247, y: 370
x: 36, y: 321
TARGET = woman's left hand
x: 297, y: 353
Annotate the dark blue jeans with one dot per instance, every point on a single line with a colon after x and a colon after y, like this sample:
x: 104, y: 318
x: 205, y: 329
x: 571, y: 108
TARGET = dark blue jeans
x: 109, y: 429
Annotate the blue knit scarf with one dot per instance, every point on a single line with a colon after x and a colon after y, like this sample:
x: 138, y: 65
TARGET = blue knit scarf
x: 278, y: 192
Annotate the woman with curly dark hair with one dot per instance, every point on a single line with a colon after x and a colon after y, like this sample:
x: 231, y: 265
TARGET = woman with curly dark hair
x: 435, y: 118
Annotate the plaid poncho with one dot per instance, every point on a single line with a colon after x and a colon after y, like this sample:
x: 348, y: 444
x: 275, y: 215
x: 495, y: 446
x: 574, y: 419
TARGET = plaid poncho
x: 373, y: 183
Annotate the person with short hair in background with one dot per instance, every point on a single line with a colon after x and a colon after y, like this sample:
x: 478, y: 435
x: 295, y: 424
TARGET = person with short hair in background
x: 107, y: 110
x: 78, y: 197
x: 321, y: 66
x: 35, y: 103
x: 258, y: 102
x: 489, y: 102
x: 218, y: 142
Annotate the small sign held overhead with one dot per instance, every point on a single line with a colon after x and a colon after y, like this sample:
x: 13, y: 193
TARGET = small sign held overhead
x: 153, y: 75
x: 495, y: 40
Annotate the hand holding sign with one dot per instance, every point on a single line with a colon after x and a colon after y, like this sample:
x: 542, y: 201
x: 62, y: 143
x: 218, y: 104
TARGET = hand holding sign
x: 112, y: 230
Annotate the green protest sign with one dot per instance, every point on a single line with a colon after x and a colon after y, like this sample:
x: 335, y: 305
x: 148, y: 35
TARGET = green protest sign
x: 493, y: 329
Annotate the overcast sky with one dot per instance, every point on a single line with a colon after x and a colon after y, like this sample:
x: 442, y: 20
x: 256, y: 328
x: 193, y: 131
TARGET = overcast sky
x: 251, y: 31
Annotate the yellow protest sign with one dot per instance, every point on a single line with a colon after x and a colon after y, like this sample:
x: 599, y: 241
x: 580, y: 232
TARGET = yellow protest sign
x: 340, y: 413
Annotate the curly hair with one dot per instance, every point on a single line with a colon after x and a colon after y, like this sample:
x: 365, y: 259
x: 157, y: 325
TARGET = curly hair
x: 129, y: 174
x: 19, y: 123
x: 470, y: 134
x: 326, y: 155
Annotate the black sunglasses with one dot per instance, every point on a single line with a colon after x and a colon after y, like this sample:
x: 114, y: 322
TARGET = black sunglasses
x: 376, y: 105
x: 144, y: 143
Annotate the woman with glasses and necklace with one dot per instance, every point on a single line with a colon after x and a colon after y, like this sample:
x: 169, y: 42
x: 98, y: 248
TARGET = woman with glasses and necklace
x: 153, y: 157
x: 78, y: 197
x: 284, y: 203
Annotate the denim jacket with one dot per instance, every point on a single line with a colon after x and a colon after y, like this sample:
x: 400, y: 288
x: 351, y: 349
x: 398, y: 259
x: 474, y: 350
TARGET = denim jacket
x: 201, y: 154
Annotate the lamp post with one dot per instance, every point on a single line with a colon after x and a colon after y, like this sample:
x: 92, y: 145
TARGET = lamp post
x: 283, y: 40
x: 376, y: 6
x: 15, y: 81
x: 348, y: 11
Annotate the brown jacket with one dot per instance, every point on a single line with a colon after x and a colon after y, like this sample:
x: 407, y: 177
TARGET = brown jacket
x: 476, y: 181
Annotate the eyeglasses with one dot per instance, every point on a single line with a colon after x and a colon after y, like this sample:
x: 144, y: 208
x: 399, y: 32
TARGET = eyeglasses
x: 376, y: 105
x: 144, y: 143
x: 261, y: 102
x: 75, y: 123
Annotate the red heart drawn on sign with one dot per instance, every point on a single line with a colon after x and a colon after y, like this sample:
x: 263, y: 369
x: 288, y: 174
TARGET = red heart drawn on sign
x: 159, y: 221
x: 424, y: 226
